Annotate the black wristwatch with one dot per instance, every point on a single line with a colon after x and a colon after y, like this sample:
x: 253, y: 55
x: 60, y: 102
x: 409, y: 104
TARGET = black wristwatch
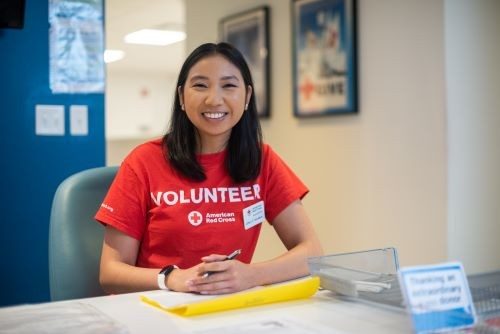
x: 162, y: 275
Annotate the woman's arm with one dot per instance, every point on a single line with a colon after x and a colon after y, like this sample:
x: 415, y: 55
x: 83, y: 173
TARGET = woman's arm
x: 297, y: 234
x: 118, y: 273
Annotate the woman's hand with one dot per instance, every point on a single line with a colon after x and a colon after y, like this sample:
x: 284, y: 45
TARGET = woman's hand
x: 178, y: 278
x: 226, y: 276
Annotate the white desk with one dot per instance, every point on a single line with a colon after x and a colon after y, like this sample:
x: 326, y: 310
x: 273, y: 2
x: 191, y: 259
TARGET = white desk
x: 323, y: 313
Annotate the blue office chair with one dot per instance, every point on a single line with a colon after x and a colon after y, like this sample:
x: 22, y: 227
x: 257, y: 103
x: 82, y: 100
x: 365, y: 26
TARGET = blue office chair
x: 75, y: 238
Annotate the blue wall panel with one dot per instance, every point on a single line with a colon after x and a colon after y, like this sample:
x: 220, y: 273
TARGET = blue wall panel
x: 31, y: 167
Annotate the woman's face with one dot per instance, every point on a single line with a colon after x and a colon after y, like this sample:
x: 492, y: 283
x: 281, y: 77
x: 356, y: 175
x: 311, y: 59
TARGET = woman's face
x: 214, y: 98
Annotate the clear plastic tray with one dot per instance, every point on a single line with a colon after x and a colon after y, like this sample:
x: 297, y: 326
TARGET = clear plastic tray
x: 369, y: 275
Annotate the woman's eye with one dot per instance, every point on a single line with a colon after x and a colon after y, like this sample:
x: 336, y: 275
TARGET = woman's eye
x: 229, y: 85
x: 199, y: 85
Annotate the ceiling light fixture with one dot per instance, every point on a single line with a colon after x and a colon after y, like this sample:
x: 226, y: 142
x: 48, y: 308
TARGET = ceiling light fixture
x: 155, y: 37
x: 113, y: 55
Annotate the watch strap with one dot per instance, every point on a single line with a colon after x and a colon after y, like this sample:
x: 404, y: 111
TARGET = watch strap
x: 162, y: 276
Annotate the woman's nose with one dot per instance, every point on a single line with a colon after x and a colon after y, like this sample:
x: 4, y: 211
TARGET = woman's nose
x: 214, y: 97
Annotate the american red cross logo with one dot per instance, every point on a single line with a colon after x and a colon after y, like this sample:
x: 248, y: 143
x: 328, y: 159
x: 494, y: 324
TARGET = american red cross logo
x: 195, y: 218
x: 307, y: 88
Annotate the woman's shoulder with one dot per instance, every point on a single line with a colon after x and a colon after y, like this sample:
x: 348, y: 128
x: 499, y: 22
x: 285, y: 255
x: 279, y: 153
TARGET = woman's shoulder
x: 146, y: 151
x: 269, y: 155
x: 267, y: 150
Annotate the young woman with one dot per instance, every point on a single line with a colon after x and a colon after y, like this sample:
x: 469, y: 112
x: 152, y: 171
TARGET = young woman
x: 178, y: 206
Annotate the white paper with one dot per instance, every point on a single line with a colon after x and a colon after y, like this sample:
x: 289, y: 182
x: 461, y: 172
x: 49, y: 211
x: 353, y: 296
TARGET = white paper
x: 170, y: 298
x: 76, y: 46
x: 58, y: 318
x: 271, y: 325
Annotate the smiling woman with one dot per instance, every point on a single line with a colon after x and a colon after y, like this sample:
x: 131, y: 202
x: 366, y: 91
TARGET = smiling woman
x: 214, y: 98
x: 183, y: 203
x: 215, y: 108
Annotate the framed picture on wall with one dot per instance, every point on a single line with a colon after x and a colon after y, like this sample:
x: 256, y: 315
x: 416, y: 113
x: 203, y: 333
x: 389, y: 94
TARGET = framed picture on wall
x: 249, y: 32
x: 324, y: 57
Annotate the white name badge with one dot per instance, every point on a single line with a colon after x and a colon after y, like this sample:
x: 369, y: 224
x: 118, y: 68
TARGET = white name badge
x: 437, y: 297
x: 253, y: 215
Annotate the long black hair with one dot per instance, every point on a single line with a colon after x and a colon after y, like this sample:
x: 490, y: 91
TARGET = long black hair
x: 244, y: 151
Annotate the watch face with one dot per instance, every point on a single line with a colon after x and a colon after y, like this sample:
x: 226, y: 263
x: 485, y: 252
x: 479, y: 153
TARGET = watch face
x: 162, y: 276
x: 166, y: 270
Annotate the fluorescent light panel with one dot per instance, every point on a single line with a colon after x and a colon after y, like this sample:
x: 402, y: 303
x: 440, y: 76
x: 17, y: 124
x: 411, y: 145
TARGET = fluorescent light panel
x: 155, y: 37
x: 113, y: 55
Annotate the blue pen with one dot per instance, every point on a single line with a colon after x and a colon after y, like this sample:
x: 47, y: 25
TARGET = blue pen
x: 231, y: 256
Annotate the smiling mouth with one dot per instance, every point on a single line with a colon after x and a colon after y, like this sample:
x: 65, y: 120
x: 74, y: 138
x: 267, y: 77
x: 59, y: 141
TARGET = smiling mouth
x: 214, y: 115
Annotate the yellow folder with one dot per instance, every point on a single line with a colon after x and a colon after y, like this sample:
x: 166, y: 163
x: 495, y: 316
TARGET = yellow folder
x: 303, y: 288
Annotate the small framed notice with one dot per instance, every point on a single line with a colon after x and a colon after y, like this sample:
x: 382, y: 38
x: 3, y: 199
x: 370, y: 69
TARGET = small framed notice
x: 437, y: 297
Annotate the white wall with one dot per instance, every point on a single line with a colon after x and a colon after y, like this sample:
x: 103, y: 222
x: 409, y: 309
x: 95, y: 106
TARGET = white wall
x: 139, y: 103
x: 138, y: 107
x: 377, y: 178
x: 472, y: 30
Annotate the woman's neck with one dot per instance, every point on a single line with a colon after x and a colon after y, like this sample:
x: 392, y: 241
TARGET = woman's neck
x: 211, y: 145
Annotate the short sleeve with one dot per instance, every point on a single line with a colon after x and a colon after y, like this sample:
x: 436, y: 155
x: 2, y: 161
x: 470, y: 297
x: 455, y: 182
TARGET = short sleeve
x: 125, y: 204
x: 283, y: 186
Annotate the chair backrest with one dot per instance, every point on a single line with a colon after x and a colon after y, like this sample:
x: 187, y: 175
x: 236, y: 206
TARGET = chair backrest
x: 75, y: 238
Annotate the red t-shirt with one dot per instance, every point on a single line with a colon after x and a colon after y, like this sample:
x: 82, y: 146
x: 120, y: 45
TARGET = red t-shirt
x: 178, y: 220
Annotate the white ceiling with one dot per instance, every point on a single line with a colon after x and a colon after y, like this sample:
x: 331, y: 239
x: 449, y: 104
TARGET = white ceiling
x: 125, y: 16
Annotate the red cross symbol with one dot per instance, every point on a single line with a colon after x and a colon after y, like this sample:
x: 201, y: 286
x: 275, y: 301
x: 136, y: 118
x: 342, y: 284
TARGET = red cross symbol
x: 144, y: 92
x: 307, y: 88
x: 195, y: 218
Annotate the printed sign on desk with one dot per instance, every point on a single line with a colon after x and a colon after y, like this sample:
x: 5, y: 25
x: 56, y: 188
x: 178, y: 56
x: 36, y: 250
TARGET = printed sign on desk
x: 437, y: 297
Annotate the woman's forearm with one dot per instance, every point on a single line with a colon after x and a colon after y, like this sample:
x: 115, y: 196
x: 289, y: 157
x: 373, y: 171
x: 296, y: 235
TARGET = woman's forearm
x: 117, y: 277
x: 290, y: 265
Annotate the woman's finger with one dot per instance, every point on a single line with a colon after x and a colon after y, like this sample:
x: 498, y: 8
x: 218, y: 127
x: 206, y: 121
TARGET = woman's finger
x: 214, y: 258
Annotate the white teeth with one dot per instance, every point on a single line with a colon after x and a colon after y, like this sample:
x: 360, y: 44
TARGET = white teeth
x: 214, y: 115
